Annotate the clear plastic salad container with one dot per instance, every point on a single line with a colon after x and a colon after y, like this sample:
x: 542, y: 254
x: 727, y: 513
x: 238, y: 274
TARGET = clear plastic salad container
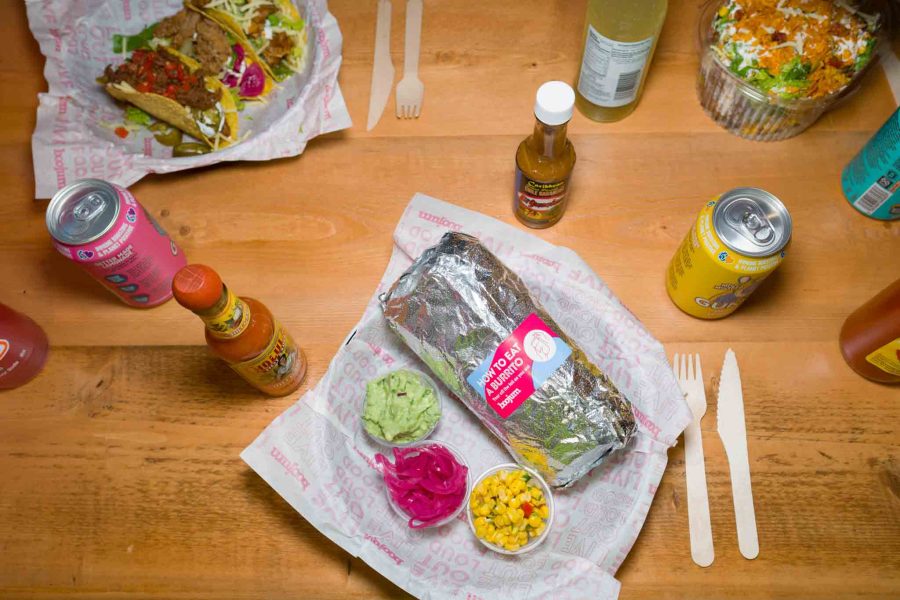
x: 752, y: 113
x: 427, y: 381
x: 545, y: 490
x: 462, y: 461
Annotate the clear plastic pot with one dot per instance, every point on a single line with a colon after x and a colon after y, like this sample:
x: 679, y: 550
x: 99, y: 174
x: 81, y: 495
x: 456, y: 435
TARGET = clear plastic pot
x: 545, y: 490
x: 425, y: 379
x: 465, y: 500
x: 756, y: 115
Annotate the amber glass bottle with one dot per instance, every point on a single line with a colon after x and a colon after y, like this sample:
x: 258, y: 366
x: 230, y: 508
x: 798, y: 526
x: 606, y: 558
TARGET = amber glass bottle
x: 545, y: 159
x: 870, y: 337
x: 241, y: 331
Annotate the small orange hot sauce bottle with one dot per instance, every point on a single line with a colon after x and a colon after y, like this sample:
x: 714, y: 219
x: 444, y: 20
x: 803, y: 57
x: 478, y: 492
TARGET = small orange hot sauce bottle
x: 242, y: 332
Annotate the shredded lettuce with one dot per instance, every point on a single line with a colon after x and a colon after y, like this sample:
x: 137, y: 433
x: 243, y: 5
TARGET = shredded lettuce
x: 130, y: 43
x: 282, y: 71
x: 135, y: 115
x: 865, y: 56
x: 282, y: 21
x: 238, y: 103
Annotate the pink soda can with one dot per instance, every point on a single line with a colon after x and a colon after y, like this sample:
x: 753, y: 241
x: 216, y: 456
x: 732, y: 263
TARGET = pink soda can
x: 108, y: 233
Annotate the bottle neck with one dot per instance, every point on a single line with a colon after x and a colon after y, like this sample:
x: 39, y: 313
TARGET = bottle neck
x: 227, y: 318
x: 549, y: 141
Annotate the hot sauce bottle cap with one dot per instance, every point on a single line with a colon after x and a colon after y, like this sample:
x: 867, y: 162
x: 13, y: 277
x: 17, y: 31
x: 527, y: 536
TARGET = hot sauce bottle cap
x: 554, y: 103
x: 197, y: 287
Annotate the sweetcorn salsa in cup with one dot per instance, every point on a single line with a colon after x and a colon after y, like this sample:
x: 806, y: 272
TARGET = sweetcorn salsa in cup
x: 795, y: 48
x: 510, y: 509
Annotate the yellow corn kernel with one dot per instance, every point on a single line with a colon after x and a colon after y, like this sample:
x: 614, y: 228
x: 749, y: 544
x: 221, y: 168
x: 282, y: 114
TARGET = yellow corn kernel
x: 480, y: 521
x: 502, y: 521
x: 512, y: 547
x: 514, y: 502
x: 522, y: 538
x: 544, y: 511
x: 481, y: 532
x: 723, y: 11
x: 525, y: 497
x: 535, y: 492
x: 501, y: 475
x: 540, y: 529
x: 535, y: 521
x: 491, y: 530
x: 515, y: 515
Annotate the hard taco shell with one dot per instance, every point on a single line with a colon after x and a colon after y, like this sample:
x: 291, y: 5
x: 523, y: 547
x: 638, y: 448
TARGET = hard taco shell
x: 176, y: 114
x: 229, y: 23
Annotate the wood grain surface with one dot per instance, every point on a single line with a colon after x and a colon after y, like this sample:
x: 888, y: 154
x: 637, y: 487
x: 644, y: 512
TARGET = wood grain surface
x: 119, y: 468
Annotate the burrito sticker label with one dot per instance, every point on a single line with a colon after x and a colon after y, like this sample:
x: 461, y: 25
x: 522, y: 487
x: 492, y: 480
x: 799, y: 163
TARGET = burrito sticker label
x: 519, y: 366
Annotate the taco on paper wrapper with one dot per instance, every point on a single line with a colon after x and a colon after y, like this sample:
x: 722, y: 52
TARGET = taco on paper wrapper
x: 273, y: 29
x: 197, y: 104
x: 221, y: 52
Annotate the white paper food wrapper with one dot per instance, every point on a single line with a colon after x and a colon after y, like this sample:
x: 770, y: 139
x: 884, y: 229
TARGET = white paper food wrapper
x: 318, y: 458
x: 73, y: 138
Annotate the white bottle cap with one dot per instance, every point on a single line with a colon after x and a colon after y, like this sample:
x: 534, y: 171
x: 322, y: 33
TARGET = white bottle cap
x: 554, y: 103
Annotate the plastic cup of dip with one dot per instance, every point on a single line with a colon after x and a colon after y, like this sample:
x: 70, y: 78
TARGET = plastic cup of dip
x: 426, y: 381
x: 465, y: 499
x: 532, y: 543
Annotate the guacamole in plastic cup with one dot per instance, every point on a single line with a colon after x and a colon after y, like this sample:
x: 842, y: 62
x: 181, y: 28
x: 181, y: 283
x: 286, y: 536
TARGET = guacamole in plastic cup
x: 401, y: 407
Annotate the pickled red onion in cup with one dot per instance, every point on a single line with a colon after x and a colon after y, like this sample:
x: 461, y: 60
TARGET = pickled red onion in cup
x: 427, y: 483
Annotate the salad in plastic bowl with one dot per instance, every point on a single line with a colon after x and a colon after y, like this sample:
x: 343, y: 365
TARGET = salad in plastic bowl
x: 770, y: 68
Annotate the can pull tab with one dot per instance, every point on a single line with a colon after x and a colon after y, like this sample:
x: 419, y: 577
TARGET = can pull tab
x: 750, y: 222
x: 89, y: 207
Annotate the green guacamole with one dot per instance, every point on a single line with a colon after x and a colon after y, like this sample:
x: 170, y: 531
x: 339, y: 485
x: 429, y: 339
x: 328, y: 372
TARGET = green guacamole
x: 400, y: 407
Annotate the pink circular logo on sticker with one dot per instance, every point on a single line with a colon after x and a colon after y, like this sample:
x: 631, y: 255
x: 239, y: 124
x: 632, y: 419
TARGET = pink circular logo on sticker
x: 539, y: 345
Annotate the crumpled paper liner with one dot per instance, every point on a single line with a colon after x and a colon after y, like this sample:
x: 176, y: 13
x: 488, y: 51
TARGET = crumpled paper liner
x: 70, y: 141
x: 317, y: 457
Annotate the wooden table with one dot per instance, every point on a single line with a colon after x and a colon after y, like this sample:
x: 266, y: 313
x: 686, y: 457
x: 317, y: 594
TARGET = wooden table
x: 119, y: 468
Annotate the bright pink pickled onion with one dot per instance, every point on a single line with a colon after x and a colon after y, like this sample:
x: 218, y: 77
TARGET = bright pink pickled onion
x: 231, y: 80
x: 426, y: 482
x: 253, y: 81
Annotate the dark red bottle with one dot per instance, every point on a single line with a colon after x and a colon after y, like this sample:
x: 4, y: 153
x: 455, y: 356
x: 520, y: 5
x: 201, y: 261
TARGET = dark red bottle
x: 23, y: 348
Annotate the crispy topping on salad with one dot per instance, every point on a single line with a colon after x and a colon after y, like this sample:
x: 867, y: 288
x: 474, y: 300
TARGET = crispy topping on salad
x: 794, y: 48
x: 158, y: 72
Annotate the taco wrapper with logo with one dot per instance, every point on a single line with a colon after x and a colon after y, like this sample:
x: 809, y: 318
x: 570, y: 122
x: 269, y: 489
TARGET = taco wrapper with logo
x: 317, y: 457
x: 74, y: 137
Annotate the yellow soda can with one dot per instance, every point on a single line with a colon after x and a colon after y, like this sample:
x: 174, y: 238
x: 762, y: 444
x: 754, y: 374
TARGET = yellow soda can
x: 736, y: 241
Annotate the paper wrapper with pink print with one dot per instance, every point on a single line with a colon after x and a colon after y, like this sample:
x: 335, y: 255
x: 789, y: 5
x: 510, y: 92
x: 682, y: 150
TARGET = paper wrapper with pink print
x: 74, y: 137
x: 319, y: 459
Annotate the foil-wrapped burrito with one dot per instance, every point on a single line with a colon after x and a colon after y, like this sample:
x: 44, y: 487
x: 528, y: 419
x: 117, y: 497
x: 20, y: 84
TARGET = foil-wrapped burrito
x: 473, y: 322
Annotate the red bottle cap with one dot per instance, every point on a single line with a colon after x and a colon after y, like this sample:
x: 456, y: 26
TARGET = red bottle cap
x: 197, y: 287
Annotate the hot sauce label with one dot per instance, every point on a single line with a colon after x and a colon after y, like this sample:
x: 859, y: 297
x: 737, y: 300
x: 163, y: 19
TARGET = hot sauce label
x: 520, y: 365
x: 275, y: 368
x: 540, y: 200
x: 229, y: 318
x: 887, y: 358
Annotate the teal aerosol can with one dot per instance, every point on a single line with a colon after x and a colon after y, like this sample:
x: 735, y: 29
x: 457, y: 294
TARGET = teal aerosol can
x: 871, y: 181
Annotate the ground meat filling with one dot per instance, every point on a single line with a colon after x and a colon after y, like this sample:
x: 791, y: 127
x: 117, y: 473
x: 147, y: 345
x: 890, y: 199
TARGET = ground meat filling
x: 280, y: 46
x: 211, y: 47
x: 210, y: 42
x: 179, y: 28
x: 159, y: 73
